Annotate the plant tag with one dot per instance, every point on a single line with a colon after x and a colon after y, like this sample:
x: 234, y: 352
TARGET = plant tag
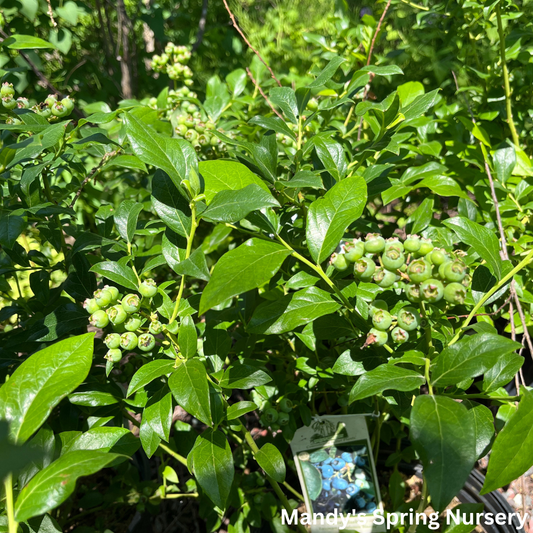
x: 334, y: 460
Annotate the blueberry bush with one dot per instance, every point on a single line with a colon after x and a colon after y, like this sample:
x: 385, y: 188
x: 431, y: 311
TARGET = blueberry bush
x: 187, y: 276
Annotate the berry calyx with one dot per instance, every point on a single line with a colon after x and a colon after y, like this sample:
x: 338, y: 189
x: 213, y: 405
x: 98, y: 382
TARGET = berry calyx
x: 399, y: 335
x: 131, y: 303
x: 59, y: 110
x: 412, y: 292
x: 384, y: 278
x: 419, y: 270
x: 283, y: 419
x: 286, y: 405
x: 377, y: 337
x: 9, y: 102
x: 455, y: 293
x: 103, y: 297
x: 364, y: 268
x: 91, y: 306
x: 393, y: 258
x: 155, y: 327
x: 112, y: 341
x: 454, y: 270
x: 432, y: 290
x: 382, y: 320
x: 148, y: 288
x: 408, y: 318
x: 68, y: 104
x: 7, y: 90
x: 128, y: 341
x: 146, y: 342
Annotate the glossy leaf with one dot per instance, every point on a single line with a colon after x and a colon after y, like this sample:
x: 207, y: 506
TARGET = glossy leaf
x: 504, y: 162
x: 41, y: 382
x: 329, y: 216
x: 26, y: 42
x: 126, y: 218
x: 213, y: 465
x: 331, y: 154
x: 444, y: 437
x: 285, y: 98
x: 240, y: 408
x: 271, y: 461
x: 121, y: 274
x: 502, y: 371
x: 327, y: 73
x: 148, y: 372
x: 190, y: 388
x: 243, y: 376
x: 245, y: 268
x: 187, y: 337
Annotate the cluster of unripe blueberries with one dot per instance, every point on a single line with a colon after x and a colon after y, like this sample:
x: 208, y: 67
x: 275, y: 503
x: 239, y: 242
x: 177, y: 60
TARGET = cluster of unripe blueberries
x: 344, y: 474
x: 132, y: 327
x: 274, y: 415
x: 52, y: 108
x: 173, y: 62
x: 191, y: 126
x: 424, y: 274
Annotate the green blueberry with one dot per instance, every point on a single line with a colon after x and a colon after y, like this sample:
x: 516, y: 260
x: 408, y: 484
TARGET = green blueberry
x: 286, y: 405
x: 455, y: 293
x: 394, y: 242
x: 412, y: 292
x: 408, y: 318
x: 103, y: 297
x: 354, y: 250
x: 182, y: 130
x: 9, y: 102
x: 381, y: 320
x: 432, y: 290
x: 364, y: 268
x: 438, y: 256
x: 155, y: 327
x: 376, y: 305
x: 412, y: 243
x: 59, y: 110
x: 91, y: 306
x: 114, y: 355
x: 7, y: 90
x: 393, y: 258
x: 419, y: 270
x: 51, y: 99
x: 23, y: 103
x: 112, y: 341
x: 173, y: 327
x: 131, y: 303
x: 378, y: 337
x: 128, y: 341
x: 312, y: 104
x: 116, y: 314
x: 99, y: 319
x: 68, y: 104
x: 384, y: 278
x: 191, y: 136
x: 283, y: 419
x: 146, y: 342
x: 148, y: 288
x: 425, y: 247
x: 374, y: 243
x: 45, y: 112
x: 339, y: 262
x: 454, y: 270
x: 133, y: 323
x: 114, y: 292
x: 271, y: 415
x: 399, y: 335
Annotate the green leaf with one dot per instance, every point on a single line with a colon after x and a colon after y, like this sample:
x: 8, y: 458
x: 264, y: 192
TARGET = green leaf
x: 148, y: 372
x: 313, y: 479
x: 274, y: 124
x: 11, y: 226
x: 157, y: 150
x: 244, y: 376
x: 331, y: 154
x: 240, y: 408
x: 187, y: 337
x: 158, y: 413
x: 232, y: 206
x: 150, y: 440
x: 383, y: 70
x: 483, y: 241
x: 512, y: 451
x: 190, y: 388
x: 41, y: 382
x: 237, y: 81
x: 305, y: 178
x: 121, y: 274
x: 104, y: 439
x: 502, y: 371
x: 409, y: 91
x: 443, y: 435
x: 240, y: 270
x: 292, y: 311
x: 482, y: 421
x: 213, y: 465
x: 126, y: 218
x: 504, y: 162
x: 226, y: 175
x: 327, y: 73
x: 194, y: 266
x: 171, y: 207
x: 385, y: 377
x: 285, y: 99
x: 271, y: 461
x: 470, y: 357
x: 26, y: 42
x: 50, y: 487
x: 329, y: 216
x: 420, y: 105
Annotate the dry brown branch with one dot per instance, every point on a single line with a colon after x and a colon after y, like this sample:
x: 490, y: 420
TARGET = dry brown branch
x: 51, y: 14
x: 236, y: 26
x: 250, y: 75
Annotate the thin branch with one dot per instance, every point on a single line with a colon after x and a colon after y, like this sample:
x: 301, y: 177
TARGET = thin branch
x: 201, y: 27
x: 258, y: 87
x: 236, y: 26
x: 92, y: 174
x: 51, y: 14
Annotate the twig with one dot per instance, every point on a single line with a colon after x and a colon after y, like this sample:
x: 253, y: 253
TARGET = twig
x: 201, y: 27
x: 236, y: 26
x: 525, y: 333
x: 51, y: 14
x: 258, y: 87
x: 93, y: 172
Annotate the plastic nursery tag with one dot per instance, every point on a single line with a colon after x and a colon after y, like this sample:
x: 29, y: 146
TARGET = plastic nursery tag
x: 334, y: 460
